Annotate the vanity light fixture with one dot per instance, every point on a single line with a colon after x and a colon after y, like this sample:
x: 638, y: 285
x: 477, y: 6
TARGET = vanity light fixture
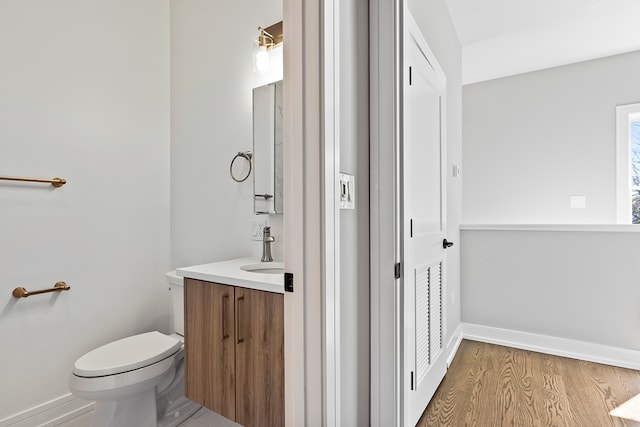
x: 269, y: 38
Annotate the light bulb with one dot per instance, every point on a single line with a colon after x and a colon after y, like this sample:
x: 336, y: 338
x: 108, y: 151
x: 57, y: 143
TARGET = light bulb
x: 262, y: 59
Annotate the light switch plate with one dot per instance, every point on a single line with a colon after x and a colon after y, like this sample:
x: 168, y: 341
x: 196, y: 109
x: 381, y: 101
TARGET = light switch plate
x: 256, y: 230
x: 347, y: 191
x: 578, y: 202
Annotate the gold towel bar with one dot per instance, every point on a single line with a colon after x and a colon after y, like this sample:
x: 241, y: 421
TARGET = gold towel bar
x: 56, y: 182
x: 23, y: 293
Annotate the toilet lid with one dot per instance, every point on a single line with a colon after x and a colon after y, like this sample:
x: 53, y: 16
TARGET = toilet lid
x: 126, y: 354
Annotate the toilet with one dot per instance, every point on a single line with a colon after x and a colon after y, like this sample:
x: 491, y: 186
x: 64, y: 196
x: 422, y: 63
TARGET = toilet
x: 138, y: 380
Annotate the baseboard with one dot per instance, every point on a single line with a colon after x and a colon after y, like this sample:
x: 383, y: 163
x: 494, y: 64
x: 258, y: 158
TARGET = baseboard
x: 454, y: 343
x: 591, y: 352
x: 49, y: 414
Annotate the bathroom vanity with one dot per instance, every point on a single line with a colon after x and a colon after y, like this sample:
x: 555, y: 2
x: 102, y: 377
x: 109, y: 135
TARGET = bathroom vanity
x: 234, y: 340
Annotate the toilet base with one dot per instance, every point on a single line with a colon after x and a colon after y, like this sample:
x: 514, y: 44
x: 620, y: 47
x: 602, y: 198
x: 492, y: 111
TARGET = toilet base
x: 138, y: 410
x: 179, y: 411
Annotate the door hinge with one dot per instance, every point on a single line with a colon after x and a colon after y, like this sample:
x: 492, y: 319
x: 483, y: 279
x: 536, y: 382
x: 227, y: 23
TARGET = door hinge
x: 397, y: 269
x: 412, y: 381
x: 288, y: 282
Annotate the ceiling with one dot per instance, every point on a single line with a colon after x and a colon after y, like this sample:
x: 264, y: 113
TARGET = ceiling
x: 506, y: 37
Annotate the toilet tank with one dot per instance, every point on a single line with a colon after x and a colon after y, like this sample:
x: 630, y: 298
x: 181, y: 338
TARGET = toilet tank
x: 177, y: 301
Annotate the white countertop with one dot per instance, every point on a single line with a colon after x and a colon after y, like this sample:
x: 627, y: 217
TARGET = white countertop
x: 230, y: 273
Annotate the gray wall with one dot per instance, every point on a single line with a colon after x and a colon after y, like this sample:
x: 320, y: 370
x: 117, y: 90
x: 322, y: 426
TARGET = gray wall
x: 532, y: 140
x: 578, y: 285
x: 354, y: 224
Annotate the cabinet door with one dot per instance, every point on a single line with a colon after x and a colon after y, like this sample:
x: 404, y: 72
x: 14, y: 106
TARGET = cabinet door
x: 259, y: 358
x: 210, y: 346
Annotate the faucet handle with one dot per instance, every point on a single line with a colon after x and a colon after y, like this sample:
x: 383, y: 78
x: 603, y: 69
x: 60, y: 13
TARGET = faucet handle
x: 266, y: 234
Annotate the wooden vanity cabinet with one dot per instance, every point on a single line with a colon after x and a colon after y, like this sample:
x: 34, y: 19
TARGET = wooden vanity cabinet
x: 209, y: 343
x: 234, y: 352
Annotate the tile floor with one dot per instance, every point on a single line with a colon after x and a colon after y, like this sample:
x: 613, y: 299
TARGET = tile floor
x: 206, y: 418
x: 202, y: 418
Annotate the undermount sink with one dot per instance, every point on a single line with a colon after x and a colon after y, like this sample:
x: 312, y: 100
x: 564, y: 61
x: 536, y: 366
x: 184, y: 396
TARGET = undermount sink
x: 264, y: 268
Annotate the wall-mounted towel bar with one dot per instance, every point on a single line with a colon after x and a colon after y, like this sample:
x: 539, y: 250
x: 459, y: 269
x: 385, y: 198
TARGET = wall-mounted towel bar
x: 23, y: 293
x: 56, y: 182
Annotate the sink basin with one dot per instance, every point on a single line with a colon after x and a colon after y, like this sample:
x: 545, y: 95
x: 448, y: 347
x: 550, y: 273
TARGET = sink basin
x: 264, y: 268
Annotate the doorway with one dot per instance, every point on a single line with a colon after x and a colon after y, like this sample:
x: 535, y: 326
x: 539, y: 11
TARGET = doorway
x: 408, y: 218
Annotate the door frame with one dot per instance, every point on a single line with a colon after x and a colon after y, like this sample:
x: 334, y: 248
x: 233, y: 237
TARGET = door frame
x: 385, y: 88
x: 311, y: 227
x: 387, y: 33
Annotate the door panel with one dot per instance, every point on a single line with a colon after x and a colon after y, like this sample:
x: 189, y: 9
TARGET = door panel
x: 259, y: 358
x: 210, y: 346
x: 423, y: 201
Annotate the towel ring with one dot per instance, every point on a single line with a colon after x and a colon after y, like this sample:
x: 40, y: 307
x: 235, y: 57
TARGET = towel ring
x: 245, y: 155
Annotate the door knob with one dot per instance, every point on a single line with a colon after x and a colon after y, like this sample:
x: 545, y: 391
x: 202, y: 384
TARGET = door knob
x: 446, y: 244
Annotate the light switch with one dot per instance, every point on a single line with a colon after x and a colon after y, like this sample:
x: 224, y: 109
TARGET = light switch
x: 347, y: 191
x: 578, y: 202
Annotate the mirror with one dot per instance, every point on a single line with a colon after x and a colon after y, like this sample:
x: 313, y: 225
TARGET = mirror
x: 267, y: 149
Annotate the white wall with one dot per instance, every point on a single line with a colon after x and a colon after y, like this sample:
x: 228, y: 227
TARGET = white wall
x: 532, y: 140
x: 573, y: 284
x: 212, y: 78
x: 353, y: 101
x: 84, y: 95
x: 437, y: 27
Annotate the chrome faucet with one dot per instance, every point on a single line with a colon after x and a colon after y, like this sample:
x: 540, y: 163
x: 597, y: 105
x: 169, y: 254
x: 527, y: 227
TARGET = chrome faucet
x: 267, y: 238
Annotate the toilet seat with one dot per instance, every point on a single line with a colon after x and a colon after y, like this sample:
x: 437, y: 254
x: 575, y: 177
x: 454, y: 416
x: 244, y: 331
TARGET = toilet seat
x: 125, y: 367
x: 127, y: 354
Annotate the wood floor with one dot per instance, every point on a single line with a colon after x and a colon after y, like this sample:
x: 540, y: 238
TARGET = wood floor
x: 490, y: 385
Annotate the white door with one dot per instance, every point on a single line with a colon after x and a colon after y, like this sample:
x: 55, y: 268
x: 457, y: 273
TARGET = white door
x: 422, y: 229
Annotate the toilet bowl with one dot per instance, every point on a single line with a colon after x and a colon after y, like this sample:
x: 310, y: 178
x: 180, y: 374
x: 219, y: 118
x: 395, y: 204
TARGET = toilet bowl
x: 138, y: 380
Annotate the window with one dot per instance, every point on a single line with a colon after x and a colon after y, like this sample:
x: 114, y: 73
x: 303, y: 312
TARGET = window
x: 628, y: 163
x: 635, y: 171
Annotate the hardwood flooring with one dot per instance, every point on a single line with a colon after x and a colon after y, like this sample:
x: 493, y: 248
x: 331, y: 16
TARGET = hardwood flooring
x: 490, y: 385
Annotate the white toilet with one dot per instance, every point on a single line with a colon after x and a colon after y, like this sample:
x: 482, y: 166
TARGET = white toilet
x: 138, y: 380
